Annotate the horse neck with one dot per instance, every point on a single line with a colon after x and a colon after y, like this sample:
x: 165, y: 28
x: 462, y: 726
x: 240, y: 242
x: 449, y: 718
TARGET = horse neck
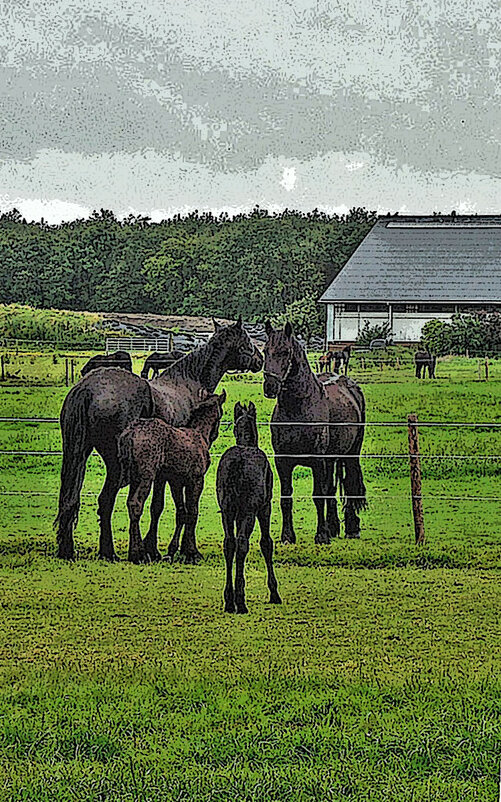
x: 246, y: 434
x: 302, y: 384
x: 204, y: 366
x: 204, y: 427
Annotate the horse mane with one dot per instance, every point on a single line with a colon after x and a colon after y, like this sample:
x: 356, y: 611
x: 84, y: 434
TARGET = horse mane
x: 194, y: 364
x: 299, y: 354
x: 202, y: 411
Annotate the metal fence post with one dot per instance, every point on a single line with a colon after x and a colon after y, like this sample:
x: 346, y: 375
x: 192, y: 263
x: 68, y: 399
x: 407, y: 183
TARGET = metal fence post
x: 415, y: 467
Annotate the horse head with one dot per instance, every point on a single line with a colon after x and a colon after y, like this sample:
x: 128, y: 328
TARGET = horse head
x: 240, y: 353
x: 279, y: 358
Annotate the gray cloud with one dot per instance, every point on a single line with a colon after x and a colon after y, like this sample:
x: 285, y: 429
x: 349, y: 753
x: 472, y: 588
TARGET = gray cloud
x: 233, y: 87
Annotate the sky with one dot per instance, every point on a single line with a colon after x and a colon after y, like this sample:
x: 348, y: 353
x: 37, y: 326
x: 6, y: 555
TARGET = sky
x: 160, y: 107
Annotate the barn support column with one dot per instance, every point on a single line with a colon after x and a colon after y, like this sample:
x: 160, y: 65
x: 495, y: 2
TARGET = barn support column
x: 329, y: 328
x: 390, y: 318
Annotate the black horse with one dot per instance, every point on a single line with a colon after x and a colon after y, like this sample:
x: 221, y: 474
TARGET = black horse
x: 425, y: 360
x: 303, y: 433
x: 159, y: 360
x: 244, y: 487
x: 119, y: 359
x: 98, y: 409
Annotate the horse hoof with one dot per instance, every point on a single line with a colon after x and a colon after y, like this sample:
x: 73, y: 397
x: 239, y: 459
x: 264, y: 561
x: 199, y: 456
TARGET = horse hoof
x: 242, y: 610
x: 154, y: 556
x: 275, y: 599
x: 352, y: 535
x: 291, y: 539
x: 229, y: 608
x: 65, y: 554
x: 192, y: 558
x: 111, y: 558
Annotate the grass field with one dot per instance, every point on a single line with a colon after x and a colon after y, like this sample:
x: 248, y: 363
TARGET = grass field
x: 377, y: 679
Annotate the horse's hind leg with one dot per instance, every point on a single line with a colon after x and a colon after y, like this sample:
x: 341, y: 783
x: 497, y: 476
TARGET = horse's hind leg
x: 189, y: 551
x: 150, y: 542
x: 177, y: 491
x: 354, y: 490
x: 105, y: 509
x: 266, y: 544
x: 229, y: 553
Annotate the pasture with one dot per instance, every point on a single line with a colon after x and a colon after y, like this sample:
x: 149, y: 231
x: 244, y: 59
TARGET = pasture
x: 377, y: 678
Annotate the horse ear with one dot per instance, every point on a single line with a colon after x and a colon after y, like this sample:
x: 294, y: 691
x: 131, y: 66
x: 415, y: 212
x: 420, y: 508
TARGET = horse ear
x: 222, y: 398
x: 238, y: 324
x: 268, y: 328
x: 252, y: 408
x: 288, y: 330
x: 237, y: 411
x: 217, y: 326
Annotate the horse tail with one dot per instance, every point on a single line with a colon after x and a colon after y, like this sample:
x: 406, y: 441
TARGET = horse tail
x: 76, y: 450
x: 349, y: 471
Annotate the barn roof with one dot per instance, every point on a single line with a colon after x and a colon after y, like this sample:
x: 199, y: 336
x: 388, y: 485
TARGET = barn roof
x: 424, y: 259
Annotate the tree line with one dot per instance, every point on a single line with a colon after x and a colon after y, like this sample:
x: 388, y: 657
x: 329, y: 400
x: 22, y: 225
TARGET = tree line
x: 256, y: 264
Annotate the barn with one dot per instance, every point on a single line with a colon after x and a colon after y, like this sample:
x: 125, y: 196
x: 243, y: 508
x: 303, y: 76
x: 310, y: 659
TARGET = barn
x: 411, y: 269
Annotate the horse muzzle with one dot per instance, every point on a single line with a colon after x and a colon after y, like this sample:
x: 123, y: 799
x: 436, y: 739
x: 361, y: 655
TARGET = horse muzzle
x: 256, y: 362
x: 271, y: 386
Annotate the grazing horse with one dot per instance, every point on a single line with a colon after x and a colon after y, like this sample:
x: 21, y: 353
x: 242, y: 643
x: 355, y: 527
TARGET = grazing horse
x: 158, y: 361
x: 119, y: 359
x: 423, y: 360
x: 303, y: 433
x: 244, y: 486
x: 151, y: 450
x: 102, y: 404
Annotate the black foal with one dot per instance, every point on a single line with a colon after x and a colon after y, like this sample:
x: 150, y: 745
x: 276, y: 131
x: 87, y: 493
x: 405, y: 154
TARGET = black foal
x: 244, y: 488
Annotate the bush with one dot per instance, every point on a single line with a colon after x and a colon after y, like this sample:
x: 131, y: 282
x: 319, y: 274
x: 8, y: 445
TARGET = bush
x: 478, y: 334
x: 376, y: 332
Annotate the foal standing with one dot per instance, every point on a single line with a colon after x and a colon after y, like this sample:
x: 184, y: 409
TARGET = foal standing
x: 244, y: 487
x: 151, y: 450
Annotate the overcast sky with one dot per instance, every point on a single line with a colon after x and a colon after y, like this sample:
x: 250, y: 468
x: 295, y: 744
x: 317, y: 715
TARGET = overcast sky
x: 164, y: 106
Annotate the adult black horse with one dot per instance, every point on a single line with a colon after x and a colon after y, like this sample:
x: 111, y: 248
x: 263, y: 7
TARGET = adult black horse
x: 119, y: 359
x: 98, y: 409
x: 158, y: 361
x: 303, y: 433
x: 425, y: 360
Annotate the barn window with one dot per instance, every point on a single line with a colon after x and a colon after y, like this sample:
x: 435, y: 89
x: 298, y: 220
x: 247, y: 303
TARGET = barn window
x: 351, y: 307
x: 338, y: 309
x: 374, y: 308
x: 411, y: 308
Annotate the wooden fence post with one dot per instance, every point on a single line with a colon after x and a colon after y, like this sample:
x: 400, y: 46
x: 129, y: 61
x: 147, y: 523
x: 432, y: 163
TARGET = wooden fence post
x: 171, y: 341
x: 415, y: 466
x: 486, y: 369
x: 479, y: 373
x: 72, y: 371
x: 3, y: 367
x: 67, y: 372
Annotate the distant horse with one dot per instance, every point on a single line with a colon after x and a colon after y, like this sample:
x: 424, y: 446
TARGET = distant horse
x: 102, y: 404
x: 244, y: 486
x: 158, y: 361
x: 425, y: 360
x: 302, y: 434
x: 119, y: 359
x: 152, y: 450
x: 325, y: 362
x: 340, y: 359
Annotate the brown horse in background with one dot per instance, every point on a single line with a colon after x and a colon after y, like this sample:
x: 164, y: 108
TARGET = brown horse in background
x: 119, y: 359
x: 102, y: 404
x: 303, y: 432
x: 151, y: 450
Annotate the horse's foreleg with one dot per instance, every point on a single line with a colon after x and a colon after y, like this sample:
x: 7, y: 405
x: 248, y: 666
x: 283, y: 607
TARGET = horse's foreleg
x: 266, y: 544
x: 354, y: 490
x: 189, y: 549
x: 244, y: 531
x: 333, y: 523
x: 106, y: 503
x: 150, y: 542
x: 229, y: 552
x: 284, y: 469
x: 138, y: 493
x: 319, y: 482
x: 177, y: 491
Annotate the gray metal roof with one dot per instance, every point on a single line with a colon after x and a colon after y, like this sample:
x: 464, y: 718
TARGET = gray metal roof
x: 424, y: 259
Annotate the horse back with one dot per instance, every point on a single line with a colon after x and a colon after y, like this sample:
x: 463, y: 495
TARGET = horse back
x: 244, y: 479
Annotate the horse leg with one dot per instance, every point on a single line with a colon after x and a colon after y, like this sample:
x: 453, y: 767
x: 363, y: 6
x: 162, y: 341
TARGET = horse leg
x: 266, y: 544
x: 138, y: 493
x: 72, y: 477
x: 177, y: 491
x: 189, y: 549
x: 332, y: 518
x: 150, y: 542
x: 106, y: 502
x: 318, y: 497
x: 284, y: 470
x: 244, y: 531
x: 229, y: 552
x: 354, y: 489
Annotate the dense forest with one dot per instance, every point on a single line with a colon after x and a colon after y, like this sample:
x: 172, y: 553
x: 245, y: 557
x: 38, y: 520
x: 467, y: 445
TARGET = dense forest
x: 257, y: 264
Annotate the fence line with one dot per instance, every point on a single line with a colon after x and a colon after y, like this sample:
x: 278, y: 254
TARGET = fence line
x: 296, y: 456
x: 304, y: 423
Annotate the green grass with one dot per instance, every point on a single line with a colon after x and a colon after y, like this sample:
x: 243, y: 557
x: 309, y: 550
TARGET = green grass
x: 377, y: 679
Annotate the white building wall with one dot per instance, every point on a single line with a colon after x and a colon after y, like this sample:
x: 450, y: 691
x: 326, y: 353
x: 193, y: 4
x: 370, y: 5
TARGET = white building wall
x: 406, y: 326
